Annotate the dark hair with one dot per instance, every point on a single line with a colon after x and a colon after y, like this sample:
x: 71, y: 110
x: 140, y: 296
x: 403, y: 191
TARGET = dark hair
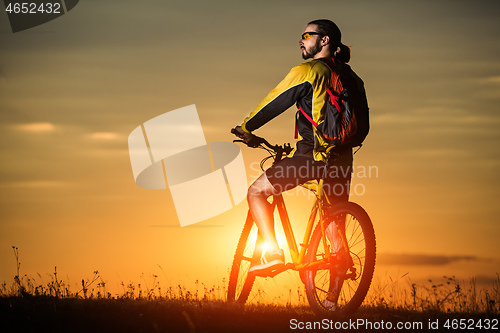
x: 330, y: 29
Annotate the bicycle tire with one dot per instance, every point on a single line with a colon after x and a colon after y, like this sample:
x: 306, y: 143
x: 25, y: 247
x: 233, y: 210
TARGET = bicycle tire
x: 360, y: 237
x: 249, y: 249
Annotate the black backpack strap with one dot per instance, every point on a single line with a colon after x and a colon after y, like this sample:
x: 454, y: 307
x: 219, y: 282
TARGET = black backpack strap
x: 329, y: 62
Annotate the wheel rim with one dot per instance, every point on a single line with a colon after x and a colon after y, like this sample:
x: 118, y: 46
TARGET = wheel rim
x: 250, y: 253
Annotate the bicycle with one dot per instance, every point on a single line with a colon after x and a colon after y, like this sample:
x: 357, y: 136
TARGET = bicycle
x: 335, y: 284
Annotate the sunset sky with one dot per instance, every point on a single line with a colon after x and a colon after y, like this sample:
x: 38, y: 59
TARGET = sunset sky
x: 73, y: 89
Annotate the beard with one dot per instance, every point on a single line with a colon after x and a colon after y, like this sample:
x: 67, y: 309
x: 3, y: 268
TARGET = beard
x: 311, y: 52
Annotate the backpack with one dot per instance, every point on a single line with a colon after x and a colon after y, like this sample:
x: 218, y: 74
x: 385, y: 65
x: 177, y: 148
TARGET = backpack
x: 346, y: 119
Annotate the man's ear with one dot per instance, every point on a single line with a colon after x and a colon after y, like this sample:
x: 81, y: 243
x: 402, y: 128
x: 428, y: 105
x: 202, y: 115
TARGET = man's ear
x: 325, y: 40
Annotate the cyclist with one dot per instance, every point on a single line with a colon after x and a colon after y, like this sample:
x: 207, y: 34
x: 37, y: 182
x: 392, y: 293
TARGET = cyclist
x: 306, y: 86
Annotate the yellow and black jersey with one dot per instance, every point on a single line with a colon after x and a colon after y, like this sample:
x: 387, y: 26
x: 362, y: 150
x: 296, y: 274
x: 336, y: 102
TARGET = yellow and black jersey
x: 305, y: 86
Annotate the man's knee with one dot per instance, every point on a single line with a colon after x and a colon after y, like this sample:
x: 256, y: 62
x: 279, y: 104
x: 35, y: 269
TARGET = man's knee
x: 253, y: 191
x: 261, y: 188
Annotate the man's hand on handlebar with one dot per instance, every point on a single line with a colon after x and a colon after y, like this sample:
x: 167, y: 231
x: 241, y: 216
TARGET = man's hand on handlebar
x: 249, y: 139
x: 240, y: 133
x: 255, y: 141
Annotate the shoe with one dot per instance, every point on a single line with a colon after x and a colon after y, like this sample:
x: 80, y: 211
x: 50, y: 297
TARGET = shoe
x: 268, y: 262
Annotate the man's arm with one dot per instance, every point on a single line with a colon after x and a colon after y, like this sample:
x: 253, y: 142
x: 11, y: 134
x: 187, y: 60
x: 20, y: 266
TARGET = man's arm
x: 294, y: 86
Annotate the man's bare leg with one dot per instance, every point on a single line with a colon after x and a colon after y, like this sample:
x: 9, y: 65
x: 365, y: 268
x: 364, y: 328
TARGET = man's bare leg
x: 261, y: 210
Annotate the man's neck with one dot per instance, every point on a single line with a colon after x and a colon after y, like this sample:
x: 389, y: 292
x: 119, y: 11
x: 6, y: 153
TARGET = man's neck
x: 324, y: 53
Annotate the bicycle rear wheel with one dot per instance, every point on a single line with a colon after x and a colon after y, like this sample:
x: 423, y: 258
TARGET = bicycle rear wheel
x: 347, y: 288
x: 249, y: 249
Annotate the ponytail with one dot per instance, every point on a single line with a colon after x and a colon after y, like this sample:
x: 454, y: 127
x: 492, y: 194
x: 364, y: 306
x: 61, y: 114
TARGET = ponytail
x: 344, y: 54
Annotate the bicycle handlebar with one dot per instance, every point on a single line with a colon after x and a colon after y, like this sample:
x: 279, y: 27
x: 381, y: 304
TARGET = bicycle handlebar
x: 257, y: 141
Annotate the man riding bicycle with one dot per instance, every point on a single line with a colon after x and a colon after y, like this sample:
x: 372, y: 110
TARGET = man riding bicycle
x: 306, y: 86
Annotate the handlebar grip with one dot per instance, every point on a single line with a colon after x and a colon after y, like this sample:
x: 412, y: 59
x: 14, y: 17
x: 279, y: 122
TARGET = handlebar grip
x: 257, y: 141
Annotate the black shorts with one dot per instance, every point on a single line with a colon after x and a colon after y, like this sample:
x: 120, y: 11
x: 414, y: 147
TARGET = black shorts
x: 293, y: 171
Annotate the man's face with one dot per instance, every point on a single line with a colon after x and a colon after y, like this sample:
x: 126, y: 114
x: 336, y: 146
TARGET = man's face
x: 311, y: 44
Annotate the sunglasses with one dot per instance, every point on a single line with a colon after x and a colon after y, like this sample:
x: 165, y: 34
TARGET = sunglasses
x: 309, y: 35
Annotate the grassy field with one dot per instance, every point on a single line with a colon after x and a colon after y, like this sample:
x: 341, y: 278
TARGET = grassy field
x: 26, y: 306
x: 51, y: 314
x: 29, y: 304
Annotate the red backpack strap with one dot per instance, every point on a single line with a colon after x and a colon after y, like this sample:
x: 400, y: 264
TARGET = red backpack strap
x: 296, y: 125
x: 307, y: 117
x: 335, y: 100
x: 330, y: 63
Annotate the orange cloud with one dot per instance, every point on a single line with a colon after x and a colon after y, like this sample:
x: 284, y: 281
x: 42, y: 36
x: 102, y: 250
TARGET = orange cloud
x: 103, y: 136
x: 37, y: 127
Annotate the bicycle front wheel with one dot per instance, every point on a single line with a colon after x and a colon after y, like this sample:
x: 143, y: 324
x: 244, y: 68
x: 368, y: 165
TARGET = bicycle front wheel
x: 333, y: 291
x: 249, y: 249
